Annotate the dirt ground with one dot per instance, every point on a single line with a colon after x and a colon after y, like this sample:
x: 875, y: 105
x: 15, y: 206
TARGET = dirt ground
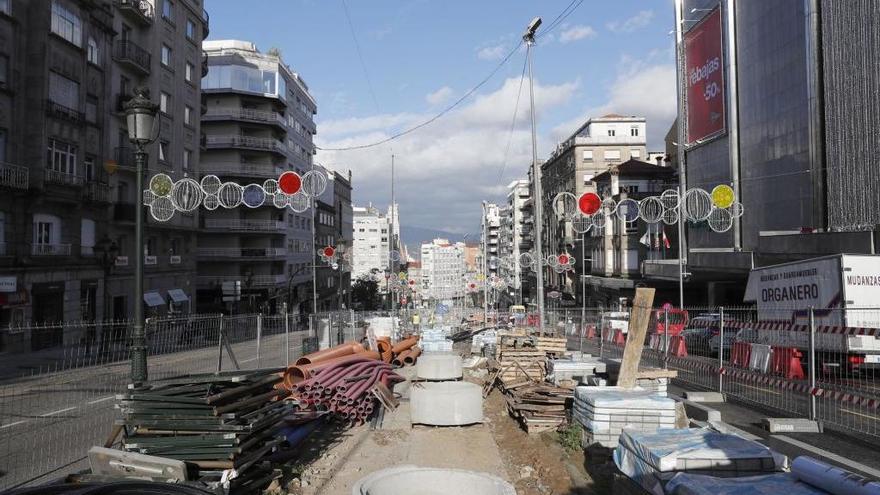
x: 334, y: 458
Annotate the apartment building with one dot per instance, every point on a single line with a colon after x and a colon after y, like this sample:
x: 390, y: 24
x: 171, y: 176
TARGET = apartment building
x: 66, y: 168
x: 515, y: 238
x: 259, y: 122
x: 443, y: 269
x: 370, y: 243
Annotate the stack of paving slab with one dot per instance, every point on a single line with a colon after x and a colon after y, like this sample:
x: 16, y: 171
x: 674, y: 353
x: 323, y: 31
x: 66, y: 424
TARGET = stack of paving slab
x: 574, y: 371
x: 434, y: 340
x: 605, y: 411
x: 651, y: 459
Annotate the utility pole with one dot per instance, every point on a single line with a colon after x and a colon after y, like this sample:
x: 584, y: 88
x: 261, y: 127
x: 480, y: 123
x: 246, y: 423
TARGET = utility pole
x: 529, y: 38
x: 391, y: 261
x: 682, y: 125
x: 314, y: 259
x: 485, y: 271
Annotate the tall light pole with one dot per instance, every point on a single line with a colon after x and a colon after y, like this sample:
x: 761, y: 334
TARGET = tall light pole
x: 529, y: 38
x: 140, y: 115
x: 682, y: 126
x: 485, y: 270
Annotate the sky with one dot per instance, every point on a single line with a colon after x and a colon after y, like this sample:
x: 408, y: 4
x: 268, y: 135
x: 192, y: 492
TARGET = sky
x: 420, y: 56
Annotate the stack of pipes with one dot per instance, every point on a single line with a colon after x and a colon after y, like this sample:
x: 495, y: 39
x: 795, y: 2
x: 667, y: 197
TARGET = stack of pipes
x: 340, y: 379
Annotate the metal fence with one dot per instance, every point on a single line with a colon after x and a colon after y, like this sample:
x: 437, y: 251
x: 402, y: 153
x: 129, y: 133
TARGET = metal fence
x: 56, y: 403
x: 818, y: 364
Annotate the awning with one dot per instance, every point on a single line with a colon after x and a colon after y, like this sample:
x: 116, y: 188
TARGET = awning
x: 178, y: 295
x: 153, y: 299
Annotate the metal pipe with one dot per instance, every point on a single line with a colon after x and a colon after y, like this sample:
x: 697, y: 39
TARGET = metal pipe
x: 721, y: 351
x: 812, y: 364
x: 260, y: 338
x: 682, y: 127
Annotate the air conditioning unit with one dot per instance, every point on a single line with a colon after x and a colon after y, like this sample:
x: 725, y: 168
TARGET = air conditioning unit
x: 175, y: 260
x: 149, y: 260
x: 122, y: 261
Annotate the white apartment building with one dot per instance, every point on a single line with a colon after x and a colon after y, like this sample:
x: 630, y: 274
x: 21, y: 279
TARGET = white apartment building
x: 515, y: 237
x: 443, y: 269
x: 491, y: 232
x: 371, y: 238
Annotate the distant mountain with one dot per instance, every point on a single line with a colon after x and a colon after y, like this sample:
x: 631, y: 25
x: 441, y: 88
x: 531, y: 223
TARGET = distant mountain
x: 413, y: 237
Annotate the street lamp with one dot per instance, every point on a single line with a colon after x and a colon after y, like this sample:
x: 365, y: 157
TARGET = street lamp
x: 140, y: 115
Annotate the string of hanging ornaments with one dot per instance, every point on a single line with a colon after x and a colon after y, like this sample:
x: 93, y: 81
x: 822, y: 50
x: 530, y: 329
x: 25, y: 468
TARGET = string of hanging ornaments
x: 165, y: 196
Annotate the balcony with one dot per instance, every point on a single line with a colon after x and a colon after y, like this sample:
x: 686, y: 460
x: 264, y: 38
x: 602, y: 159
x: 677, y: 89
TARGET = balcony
x: 62, y: 112
x: 254, y: 281
x: 139, y: 11
x: 206, y: 19
x: 204, y: 64
x: 249, y: 142
x: 243, y: 252
x: 62, y: 178
x: 50, y: 249
x: 13, y: 176
x: 238, y: 169
x: 96, y: 192
x: 136, y: 58
x: 246, y: 225
x: 245, y: 114
x: 124, y: 212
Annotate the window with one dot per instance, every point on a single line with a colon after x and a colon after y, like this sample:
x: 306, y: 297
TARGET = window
x: 4, y: 6
x: 91, y: 109
x: 47, y: 229
x: 635, y: 153
x: 612, y: 155
x: 4, y: 70
x: 588, y: 155
x: 190, y: 29
x: 634, y: 131
x: 187, y: 158
x: 167, y: 9
x: 2, y: 145
x: 175, y: 247
x: 61, y: 157
x: 166, y: 55
x: 87, y: 237
x: 611, y: 132
x: 63, y: 91
x: 89, y: 168
x: 92, y: 54
x: 187, y: 115
x: 188, y: 72
x: 164, y: 102
x: 163, y: 150
x: 66, y: 24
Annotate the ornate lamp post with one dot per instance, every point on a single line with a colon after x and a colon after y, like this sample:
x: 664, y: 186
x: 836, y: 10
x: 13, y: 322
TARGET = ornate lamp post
x: 141, y: 118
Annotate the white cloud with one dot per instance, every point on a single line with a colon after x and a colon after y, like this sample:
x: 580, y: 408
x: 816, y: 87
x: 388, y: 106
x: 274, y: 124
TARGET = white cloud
x: 440, y: 96
x: 445, y: 169
x: 634, y: 23
x: 575, y: 33
x: 639, y: 89
x: 494, y: 52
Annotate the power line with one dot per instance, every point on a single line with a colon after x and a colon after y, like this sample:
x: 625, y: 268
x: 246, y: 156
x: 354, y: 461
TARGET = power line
x: 561, y: 17
x: 360, y: 55
x: 513, y: 123
x: 434, y: 118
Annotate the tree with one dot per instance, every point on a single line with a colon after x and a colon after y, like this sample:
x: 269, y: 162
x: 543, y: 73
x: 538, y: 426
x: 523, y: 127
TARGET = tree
x: 365, y: 293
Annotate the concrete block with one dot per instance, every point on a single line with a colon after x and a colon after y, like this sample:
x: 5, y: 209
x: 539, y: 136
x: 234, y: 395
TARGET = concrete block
x: 405, y: 480
x: 704, y: 396
x: 440, y: 366
x: 446, y: 403
x: 791, y: 425
x: 700, y: 412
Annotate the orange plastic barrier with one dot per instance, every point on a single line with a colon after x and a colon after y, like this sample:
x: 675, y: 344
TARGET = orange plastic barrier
x: 787, y: 362
x: 591, y: 332
x: 677, y: 346
x: 619, y: 338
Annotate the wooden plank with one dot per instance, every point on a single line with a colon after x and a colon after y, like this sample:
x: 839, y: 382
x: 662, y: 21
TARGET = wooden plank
x: 635, y: 342
x: 654, y: 373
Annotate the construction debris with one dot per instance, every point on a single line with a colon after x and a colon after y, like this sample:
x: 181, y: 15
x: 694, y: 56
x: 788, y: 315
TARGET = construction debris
x: 538, y: 407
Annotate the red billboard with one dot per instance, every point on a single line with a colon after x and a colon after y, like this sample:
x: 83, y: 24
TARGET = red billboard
x: 704, y: 74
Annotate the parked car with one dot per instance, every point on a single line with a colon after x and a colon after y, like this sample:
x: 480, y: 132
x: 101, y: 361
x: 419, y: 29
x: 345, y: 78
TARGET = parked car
x: 729, y: 339
x: 698, y: 336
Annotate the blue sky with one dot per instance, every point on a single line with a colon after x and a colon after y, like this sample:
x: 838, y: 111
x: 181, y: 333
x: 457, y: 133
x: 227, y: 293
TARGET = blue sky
x: 423, y: 54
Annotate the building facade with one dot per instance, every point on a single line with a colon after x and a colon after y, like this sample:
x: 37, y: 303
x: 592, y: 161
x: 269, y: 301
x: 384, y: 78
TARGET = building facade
x: 797, y: 143
x: 259, y: 122
x: 67, y: 213
x: 515, y: 239
x: 370, y: 244
x: 443, y: 269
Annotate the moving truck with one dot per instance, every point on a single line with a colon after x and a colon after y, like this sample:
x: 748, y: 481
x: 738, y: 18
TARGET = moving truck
x: 844, y: 292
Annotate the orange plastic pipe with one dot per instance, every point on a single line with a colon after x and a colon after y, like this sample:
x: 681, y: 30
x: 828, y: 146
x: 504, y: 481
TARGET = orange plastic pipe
x: 404, y: 345
x: 399, y: 359
x: 333, y: 352
x: 298, y: 373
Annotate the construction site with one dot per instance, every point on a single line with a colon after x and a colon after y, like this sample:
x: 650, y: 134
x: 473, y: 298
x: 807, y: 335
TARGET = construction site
x: 372, y: 404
